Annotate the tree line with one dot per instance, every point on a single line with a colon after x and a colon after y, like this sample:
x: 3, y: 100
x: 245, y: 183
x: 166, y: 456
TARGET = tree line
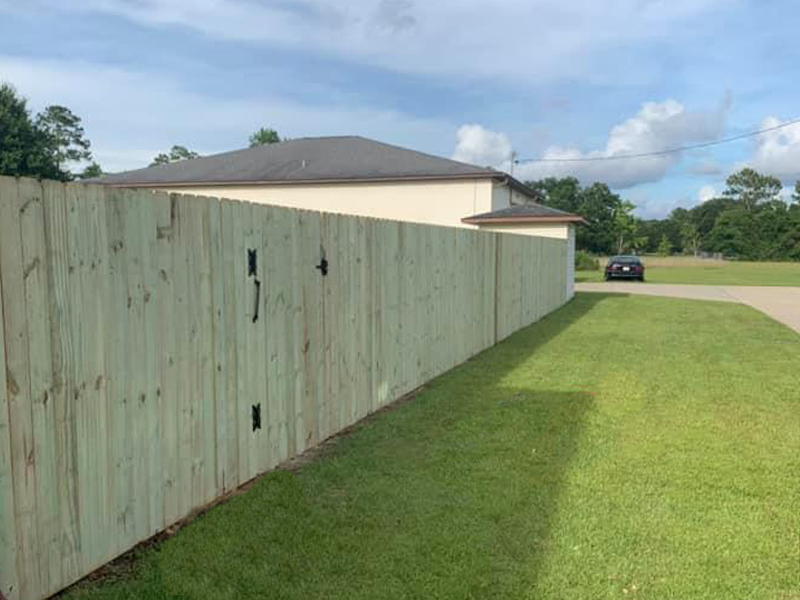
x: 52, y: 144
x: 750, y: 220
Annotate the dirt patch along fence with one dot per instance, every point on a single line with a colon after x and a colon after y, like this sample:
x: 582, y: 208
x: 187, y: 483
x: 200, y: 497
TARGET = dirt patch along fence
x: 158, y: 351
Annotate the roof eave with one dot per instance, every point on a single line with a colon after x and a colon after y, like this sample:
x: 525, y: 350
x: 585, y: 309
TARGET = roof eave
x: 522, y: 220
x: 409, y: 178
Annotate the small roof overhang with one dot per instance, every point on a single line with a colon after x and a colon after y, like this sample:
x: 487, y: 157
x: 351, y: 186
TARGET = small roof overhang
x: 519, y: 215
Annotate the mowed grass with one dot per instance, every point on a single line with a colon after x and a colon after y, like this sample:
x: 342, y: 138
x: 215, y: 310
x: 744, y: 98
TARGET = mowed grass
x: 624, y: 447
x: 692, y: 271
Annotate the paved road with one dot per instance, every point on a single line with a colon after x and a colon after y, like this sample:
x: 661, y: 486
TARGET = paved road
x: 780, y: 303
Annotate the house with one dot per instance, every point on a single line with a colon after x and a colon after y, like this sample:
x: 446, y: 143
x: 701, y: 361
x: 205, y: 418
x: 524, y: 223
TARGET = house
x: 359, y: 176
x: 354, y: 175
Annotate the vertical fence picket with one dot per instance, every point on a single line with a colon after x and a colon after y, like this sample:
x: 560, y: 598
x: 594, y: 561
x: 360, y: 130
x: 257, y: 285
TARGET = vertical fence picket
x: 117, y: 423
x: 363, y: 314
x: 311, y: 250
x: 178, y: 484
x: 8, y: 531
x: 36, y: 293
x: 87, y: 331
x: 328, y: 360
x: 259, y: 331
x: 80, y: 311
x: 166, y: 215
x: 18, y: 388
x: 219, y: 366
x: 136, y: 512
x: 297, y: 332
x: 274, y: 315
x: 243, y: 297
x: 161, y: 342
x: 151, y: 405
x: 9, y: 585
x: 207, y: 439
x: 281, y: 255
x: 230, y: 273
x: 196, y: 353
x: 253, y: 342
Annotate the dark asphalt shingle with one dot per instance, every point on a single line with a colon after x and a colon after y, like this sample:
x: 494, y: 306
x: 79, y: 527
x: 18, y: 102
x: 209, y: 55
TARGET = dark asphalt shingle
x: 525, y: 211
x: 303, y: 159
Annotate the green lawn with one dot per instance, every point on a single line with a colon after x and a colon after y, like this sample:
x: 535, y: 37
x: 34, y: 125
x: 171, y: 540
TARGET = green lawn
x: 624, y: 447
x: 729, y: 273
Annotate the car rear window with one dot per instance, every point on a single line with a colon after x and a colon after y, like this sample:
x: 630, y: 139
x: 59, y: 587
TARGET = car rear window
x: 628, y: 260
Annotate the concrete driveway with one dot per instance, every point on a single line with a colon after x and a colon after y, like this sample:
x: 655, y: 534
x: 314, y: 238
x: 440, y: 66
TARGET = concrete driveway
x: 780, y: 303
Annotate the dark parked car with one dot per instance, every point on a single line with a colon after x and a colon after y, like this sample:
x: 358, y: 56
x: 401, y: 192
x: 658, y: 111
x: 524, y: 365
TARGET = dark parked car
x: 625, y: 267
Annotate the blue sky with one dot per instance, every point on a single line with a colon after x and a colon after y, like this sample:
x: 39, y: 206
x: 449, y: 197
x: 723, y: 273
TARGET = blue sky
x: 464, y: 79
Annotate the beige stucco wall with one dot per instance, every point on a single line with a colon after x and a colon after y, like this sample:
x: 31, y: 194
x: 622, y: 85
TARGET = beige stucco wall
x: 503, y: 196
x: 432, y: 202
x: 553, y: 230
x: 500, y: 196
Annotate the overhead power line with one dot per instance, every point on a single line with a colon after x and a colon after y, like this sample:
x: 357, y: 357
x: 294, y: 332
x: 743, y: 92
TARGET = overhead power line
x: 661, y: 152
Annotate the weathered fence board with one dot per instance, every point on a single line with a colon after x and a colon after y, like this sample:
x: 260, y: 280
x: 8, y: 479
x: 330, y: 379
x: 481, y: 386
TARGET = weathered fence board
x: 20, y: 406
x: 145, y: 335
x: 8, y: 529
x: 56, y: 225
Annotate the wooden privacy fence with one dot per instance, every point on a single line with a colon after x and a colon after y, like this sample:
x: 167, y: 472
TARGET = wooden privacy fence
x: 158, y: 351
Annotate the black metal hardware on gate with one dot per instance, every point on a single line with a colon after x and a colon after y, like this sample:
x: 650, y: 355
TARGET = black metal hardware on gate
x: 323, y: 263
x: 258, y: 300
x: 252, y: 270
x: 251, y: 262
x: 256, y: 416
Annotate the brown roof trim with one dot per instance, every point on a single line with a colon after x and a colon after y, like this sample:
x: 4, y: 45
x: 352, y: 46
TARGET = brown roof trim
x: 479, y: 175
x: 520, y: 220
x: 520, y: 187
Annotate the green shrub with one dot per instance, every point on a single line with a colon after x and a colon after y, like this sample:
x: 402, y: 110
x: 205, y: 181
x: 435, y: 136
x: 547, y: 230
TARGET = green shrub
x: 585, y: 261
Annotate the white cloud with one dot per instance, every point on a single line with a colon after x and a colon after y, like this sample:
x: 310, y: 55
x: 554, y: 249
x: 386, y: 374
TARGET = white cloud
x: 657, y: 126
x: 130, y: 116
x: 479, y: 146
x: 707, y: 192
x: 544, y: 40
x: 778, y: 152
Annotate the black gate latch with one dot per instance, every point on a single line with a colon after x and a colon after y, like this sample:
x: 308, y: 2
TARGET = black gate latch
x: 251, y: 262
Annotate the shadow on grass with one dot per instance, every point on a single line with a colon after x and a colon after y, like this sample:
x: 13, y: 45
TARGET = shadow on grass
x: 452, y: 495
